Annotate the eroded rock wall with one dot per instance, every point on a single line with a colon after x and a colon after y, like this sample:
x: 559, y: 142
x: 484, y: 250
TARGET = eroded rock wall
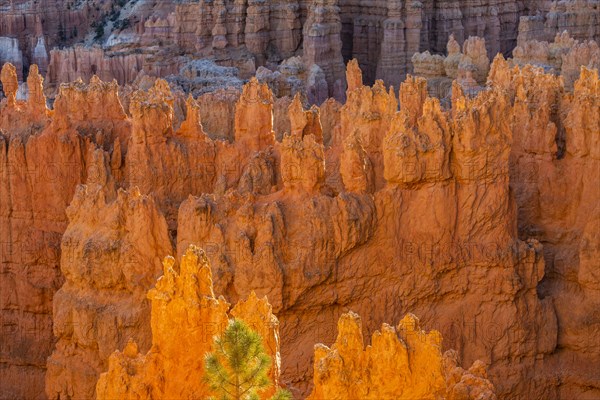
x: 369, y: 205
x: 42, y: 160
x: 159, y: 38
x: 38, y: 26
x: 549, y: 146
x: 110, y: 255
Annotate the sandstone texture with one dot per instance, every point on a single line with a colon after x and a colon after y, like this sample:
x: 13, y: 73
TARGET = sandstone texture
x: 477, y: 212
x: 116, y: 261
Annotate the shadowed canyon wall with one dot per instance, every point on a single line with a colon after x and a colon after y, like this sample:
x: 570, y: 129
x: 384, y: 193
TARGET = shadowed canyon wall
x: 125, y: 39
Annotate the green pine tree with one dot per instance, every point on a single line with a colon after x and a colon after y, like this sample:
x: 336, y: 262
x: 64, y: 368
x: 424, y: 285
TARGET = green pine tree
x: 237, y: 368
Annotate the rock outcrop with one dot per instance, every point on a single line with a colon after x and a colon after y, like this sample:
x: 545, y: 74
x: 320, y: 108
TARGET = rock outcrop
x: 254, y: 117
x: 470, y: 67
x: 8, y: 77
x: 184, y: 306
x: 41, y: 163
x: 565, y: 55
x: 401, y: 362
x: 188, y: 153
x: 558, y: 146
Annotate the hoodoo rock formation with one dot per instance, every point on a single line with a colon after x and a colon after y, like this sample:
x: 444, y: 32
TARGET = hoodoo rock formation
x: 477, y: 212
x: 403, y: 362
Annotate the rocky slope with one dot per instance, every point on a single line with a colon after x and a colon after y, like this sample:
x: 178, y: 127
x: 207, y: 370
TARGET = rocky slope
x: 479, y: 217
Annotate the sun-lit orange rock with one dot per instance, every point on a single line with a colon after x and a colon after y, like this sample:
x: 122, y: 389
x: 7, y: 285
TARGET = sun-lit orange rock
x: 8, y: 76
x: 305, y: 122
x: 36, y: 103
x: 254, y: 117
x: 476, y: 212
x: 367, y: 113
x: 186, y: 316
x: 402, y: 362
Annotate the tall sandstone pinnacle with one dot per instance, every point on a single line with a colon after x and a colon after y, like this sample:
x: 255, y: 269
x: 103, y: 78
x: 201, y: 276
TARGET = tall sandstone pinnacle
x: 254, y: 117
x: 186, y: 316
x: 8, y: 76
x: 323, y: 43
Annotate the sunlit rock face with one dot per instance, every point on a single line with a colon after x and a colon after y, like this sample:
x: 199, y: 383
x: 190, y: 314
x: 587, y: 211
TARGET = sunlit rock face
x: 404, y: 362
x: 476, y: 212
x: 185, y: 317
x: 111, y: 255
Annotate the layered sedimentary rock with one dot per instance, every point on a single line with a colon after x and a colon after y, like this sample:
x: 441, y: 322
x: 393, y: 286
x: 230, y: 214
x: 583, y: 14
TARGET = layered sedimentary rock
x: 185, y: 307
x: 401, y: 362
x: 420, y: 208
